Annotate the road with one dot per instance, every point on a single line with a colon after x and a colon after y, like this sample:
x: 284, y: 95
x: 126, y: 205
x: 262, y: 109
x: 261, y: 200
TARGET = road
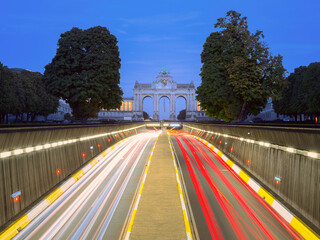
x: 222, y: 204
x: 96, y: 206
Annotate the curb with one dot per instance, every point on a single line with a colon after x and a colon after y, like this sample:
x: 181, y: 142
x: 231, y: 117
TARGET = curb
x: 183, y: 205
x: 18, y: 225
x: 293, y: 220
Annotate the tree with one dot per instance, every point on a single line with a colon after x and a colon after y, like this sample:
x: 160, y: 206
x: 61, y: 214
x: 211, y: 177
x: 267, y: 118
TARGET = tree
x: 238, y: 72
x: 182, y: 115
x: 302, y: 93
x: 85, y: 71
x: 146, y: 115
x: 8, y: 100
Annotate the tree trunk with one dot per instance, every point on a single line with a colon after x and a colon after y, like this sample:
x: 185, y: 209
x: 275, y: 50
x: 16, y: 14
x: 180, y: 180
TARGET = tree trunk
x: 243, y: 113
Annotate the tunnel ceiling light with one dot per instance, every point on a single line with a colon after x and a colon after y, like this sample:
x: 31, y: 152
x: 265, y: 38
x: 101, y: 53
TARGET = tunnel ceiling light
x: 241, y: 139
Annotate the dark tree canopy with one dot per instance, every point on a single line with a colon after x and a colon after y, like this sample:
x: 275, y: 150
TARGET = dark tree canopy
x: 302, y: 92
x: 85, y: 71
x: 23, y: 93
x: 238, y: 72
x: 182, y: 115
x: 146, y: 115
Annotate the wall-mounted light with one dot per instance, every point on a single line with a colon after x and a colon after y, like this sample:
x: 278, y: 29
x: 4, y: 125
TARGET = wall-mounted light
x: 278, y: 180
x: 58, y: 171
x: 99, y: 146
x: 91, y: 147
x: 16, y: 196
x: 83, y: 154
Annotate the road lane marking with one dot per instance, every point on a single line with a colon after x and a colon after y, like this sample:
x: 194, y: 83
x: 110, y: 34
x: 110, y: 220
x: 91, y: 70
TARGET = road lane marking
x: 183, y: 205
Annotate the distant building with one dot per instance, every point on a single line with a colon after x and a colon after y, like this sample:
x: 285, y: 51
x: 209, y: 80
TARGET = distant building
x: 124, y: 113
x: 63, y: 109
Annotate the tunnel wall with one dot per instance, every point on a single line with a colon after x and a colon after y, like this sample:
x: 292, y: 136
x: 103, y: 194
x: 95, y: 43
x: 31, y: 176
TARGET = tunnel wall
x: 300, y: 174
x: 34, y: 173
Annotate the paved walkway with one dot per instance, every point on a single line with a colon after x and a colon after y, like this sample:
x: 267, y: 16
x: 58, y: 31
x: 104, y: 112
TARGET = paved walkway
x: 159, y: 214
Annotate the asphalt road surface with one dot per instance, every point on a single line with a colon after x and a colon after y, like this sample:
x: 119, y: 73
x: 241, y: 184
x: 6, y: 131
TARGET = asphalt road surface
x: 96, y: 206
x: 223, y: 206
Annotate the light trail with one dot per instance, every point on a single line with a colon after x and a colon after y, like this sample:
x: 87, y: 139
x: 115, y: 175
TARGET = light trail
x: 237, y: 211
x: 86, y: 210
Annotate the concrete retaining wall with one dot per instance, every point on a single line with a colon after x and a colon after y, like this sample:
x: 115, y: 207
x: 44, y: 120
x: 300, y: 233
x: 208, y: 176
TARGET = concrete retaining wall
x: 269, y: 152
x: 65, y: 148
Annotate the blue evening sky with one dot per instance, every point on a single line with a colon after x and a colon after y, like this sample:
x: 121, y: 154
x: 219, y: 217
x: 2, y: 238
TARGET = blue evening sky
x: 153, y: 34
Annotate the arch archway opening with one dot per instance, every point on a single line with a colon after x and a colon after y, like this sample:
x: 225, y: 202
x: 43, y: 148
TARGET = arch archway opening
x: 164, y: 108
x: 181, y: 108
x: 147, y: 106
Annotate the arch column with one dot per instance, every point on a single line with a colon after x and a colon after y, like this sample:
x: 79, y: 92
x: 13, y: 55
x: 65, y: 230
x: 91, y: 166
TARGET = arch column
x: 155, y: 107
x: 172, y: 112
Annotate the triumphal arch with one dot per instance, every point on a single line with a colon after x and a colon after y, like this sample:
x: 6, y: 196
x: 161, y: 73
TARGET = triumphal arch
x: 164, y: 86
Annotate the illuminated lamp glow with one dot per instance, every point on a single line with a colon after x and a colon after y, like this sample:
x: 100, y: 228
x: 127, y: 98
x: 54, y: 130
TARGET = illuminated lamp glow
x: 109, y: 140
x: 290, y: 150
x: 241, y: 139
x: 98, y: 145
x: 58, y: 171
x: 17, y: 151
x: 38, y: 147
x: 83, y: 154
x: 16, y: 196
x: 5, y: 154
x: 278, y: 180
x: 54, y: 144
x: 91, y: 147
x: 220, y: 142
x: 248, y: 161
x: 231, y: 149
x: 29, y: 149
x: 212, y: 137
x: 47, y: 145
x: 312, y: 154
